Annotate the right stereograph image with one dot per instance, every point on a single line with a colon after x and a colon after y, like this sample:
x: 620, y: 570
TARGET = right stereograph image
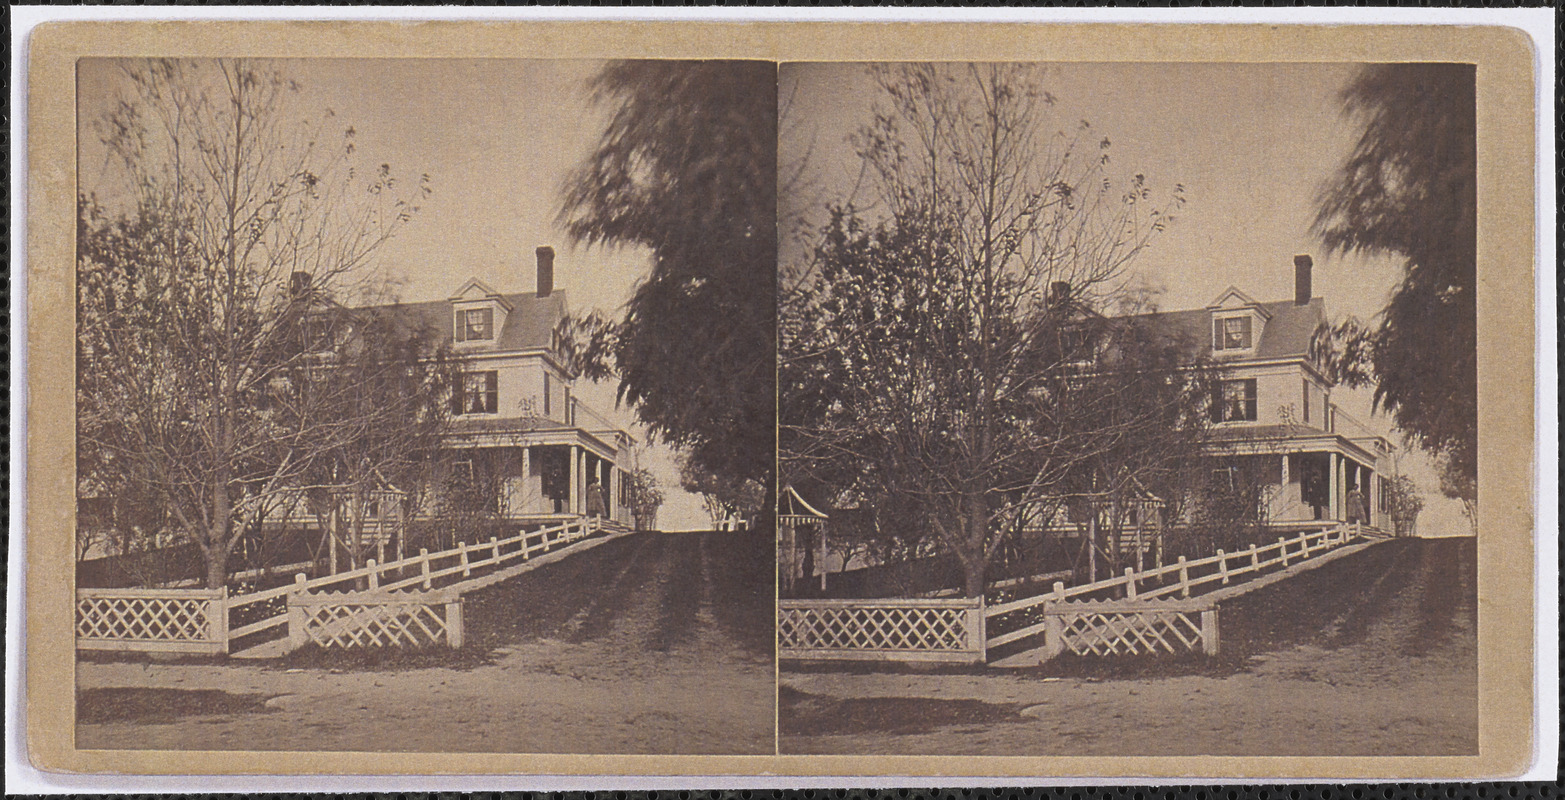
x: 1127, y: 409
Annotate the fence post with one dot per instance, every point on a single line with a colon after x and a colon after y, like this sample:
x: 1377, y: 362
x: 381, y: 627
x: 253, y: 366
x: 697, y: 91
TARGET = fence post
x: 977, y: 635
x: 467, y: 569
x: 423, y: 565
x: 1130, y: 583
x: 1053, y: 632
x: 1282, y: 550
x: 1255, y: 558
x: 1184, y: 578
x: 1209, y: 634
x: 297, y: 636
x: 374, y: 574
x: 494, y: 543
x: 217, y: 617
x: 1222, y: 564
x: 454, y: 623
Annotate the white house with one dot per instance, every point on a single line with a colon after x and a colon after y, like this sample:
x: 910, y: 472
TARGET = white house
x: 1273, y: 411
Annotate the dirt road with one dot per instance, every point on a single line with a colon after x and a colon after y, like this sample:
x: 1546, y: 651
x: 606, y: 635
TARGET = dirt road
x: 1371, y: 655
x: 651, y: 643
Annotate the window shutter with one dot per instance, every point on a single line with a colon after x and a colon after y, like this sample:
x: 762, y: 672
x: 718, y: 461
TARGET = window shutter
x: 547, y: 390
x: 1217, y: 402
x: 491, y: 391
x: 461, y: 327
x: 1249, y: 400
x: 1217, y: 334
x: 456, y: 394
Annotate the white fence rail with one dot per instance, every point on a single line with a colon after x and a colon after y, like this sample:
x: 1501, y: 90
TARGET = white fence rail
x: 901, y: 630
x: 1183, y: 576
x: 173, y: 620
x: 1135, y: 613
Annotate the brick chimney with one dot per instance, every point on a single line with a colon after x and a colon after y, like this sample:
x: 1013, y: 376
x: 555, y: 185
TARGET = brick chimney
x: 1302, y: 291
x: 545, y: 271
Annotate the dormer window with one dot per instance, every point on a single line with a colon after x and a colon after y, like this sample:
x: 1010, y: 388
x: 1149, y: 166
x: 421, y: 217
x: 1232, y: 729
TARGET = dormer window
x: 478, y: 313
x: 1232, y: 333
x: 475, y: 324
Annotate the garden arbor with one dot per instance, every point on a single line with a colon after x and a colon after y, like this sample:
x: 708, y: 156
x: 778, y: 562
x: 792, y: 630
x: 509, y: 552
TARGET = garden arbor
x: 799, y: 524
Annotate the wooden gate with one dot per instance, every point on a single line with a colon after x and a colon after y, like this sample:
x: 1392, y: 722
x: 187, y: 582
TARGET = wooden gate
x: 375, y: 619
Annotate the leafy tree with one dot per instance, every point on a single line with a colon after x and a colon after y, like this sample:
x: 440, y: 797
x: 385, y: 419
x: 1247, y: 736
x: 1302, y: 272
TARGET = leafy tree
x: 1405, y: 502
x: 1409, y: 190
x: 723, y: 496
x: 645, y: 498
x: 939, y: 361
x: 189, y: 297
x: 686, y: 168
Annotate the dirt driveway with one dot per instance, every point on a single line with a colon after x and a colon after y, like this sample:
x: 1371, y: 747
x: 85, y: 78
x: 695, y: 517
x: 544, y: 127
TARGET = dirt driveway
x: 1371, y: 655
x: 652, y: 643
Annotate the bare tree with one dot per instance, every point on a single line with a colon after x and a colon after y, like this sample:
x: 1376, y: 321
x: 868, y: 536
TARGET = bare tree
x: 188, y: 331
x: 938, y: 360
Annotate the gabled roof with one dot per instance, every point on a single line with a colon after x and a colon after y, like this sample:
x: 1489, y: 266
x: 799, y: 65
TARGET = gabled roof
x: 1245, y: 301
x: 483, y: 290
x: 1287, y: 331
x: 529, y: 323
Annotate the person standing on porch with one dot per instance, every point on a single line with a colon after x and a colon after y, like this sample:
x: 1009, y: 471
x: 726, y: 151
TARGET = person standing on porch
x: 595, y: 505
x: 1357, y: 511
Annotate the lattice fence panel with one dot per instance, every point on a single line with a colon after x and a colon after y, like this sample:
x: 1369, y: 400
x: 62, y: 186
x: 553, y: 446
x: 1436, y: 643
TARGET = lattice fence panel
x: 861, y: 627
x: 375, y: 625
x: 1108, y: 633
x: 144, y: 619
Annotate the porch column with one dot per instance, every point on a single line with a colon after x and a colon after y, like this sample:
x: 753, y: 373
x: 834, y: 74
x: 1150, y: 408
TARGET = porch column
x: 1285, y: 495
x: 572, y: 492
x: 527, y: 481
x: 1367, y: 488
x: 1333, y: 474
x: 608, y: 491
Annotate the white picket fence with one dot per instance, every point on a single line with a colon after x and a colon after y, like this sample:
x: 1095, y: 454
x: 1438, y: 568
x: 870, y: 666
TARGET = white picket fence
x: 168, y: 619
x: 1151, y: 611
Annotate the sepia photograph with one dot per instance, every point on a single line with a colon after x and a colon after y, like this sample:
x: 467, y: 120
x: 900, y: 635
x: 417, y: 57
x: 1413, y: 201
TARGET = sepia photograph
x: 467, y: 403
x: 1128, y: 409
x: 425, y: 405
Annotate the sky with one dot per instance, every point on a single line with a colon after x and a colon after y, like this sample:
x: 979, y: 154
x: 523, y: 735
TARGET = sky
x: 498, y: 138
x: 1252, y: 145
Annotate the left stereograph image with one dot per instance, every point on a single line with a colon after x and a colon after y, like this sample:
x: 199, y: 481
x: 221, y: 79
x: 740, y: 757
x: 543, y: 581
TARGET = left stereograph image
x: 425, y: 405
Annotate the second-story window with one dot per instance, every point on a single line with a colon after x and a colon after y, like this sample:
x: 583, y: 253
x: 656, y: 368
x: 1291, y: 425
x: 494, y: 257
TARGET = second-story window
x: 1234, y: 401
x: 1231, y: 333
x: 476, y: 393
x: 475, y: 324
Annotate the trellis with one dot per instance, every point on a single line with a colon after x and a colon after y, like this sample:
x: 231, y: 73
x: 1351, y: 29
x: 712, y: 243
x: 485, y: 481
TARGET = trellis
x: 375, y: 619
x: 903, y: 630
x: 164, y: 620
x: 1130, y: 628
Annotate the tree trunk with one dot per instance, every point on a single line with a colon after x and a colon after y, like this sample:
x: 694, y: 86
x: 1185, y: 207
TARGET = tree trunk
x: 975, y: 565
